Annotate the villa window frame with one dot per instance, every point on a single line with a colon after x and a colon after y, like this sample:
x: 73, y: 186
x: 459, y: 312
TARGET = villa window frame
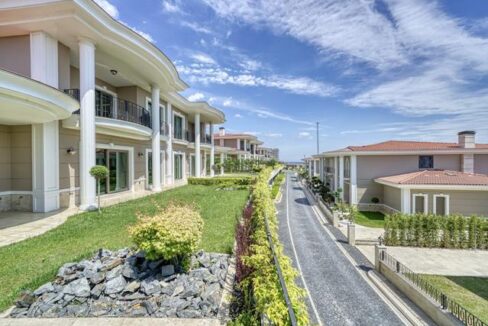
x: 114, y: 95
x: 183, y: 124
x: 446, y: 203
x: 426, y: 202
x: 130, y: 163
x: 162, y: 110
x: 431, y: 161
x: 163, y: 167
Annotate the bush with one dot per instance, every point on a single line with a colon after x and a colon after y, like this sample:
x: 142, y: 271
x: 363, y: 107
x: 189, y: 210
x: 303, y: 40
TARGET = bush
x: 262, y: 289
x: 375, y: 200
x: 99, y: 171
x: 221, y: 182
x: 172, y: 234
x: 278, y: 181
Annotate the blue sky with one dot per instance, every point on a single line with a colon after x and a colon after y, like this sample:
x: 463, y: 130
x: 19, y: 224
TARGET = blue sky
x: 367, y: 70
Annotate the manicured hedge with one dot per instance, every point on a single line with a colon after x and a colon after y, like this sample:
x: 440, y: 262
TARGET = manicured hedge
x: 278, y: 181
x: 224, y: 181
x: 422, y: 230
x: 261, y: 287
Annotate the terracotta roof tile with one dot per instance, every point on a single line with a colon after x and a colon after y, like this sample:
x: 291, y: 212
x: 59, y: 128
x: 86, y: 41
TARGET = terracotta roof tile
x: 398, y: 145
x: 438, y: 177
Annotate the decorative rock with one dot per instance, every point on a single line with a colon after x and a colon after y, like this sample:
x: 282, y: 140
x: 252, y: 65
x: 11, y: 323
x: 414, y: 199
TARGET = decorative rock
x: 150, y: 286
x: 115, y: 285
x: 115, y: 272
x: 132, y: 287
x: 167, y: 270
x: 125, y: 284
x: 78, y: 288
x: 48, y: 287
x: 25, y: 300
x: 97, y: 290
x: 128, y: 271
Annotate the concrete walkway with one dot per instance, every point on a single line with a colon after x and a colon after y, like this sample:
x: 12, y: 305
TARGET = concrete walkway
x: 110, y: 322
x: 363, y: 232
x: 18, y: 226
x: 438, y: 261
x: 339, y: 291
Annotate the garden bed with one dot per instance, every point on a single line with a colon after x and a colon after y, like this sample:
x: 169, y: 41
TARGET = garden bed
x: 124, y: 283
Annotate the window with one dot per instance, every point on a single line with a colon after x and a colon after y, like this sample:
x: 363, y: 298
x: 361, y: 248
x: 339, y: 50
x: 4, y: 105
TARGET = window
x: 104, y: 103
x: 117, y: 163
x: 149, y: 171
x: 441, y: 205
x: 178, y: 166
x: 178, y: 126
x: 420, y: 204
x: 426, y: 162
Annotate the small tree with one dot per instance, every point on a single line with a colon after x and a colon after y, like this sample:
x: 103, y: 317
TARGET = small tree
x: 99, y: 172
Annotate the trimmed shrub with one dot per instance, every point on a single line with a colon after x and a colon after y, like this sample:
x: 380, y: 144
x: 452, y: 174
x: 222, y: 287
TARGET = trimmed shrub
x: 422, y: 230
x: 222, y: 181
x: 172, y: 234
x: 278, y: 181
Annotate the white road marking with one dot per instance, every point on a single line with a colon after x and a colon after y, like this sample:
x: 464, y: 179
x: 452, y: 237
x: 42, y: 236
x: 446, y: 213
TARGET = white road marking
x: 296, y: 257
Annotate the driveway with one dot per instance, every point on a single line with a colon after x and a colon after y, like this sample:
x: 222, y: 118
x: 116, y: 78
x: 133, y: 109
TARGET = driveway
x: 339, y: 291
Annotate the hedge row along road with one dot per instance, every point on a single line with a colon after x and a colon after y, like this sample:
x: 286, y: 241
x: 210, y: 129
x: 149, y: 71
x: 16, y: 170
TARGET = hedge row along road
x: 338, y: 294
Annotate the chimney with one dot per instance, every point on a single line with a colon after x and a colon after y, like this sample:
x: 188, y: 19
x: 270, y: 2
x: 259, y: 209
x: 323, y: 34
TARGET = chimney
x: 466, y: 139
x: 221, y: 131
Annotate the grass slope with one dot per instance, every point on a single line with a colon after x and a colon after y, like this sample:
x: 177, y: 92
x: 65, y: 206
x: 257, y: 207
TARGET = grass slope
x: 31, y: 263
x: 370, y: 219
x: 470, y: 292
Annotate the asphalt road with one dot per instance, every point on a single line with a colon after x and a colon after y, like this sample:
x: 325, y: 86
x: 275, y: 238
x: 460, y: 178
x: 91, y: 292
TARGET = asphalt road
x: 338, y: 294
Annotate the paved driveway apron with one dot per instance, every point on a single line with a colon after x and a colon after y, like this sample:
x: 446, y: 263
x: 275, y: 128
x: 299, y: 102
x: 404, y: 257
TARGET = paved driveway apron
x: 339, y: 293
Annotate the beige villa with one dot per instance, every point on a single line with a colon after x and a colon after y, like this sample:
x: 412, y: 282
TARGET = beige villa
x: 409, y: 176
x: 77, y: 88
x: 240, y: 146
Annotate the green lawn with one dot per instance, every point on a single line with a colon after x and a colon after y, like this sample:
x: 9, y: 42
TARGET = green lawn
x: 31, y: 263
x: 469, y: 292
x: 370, y: 219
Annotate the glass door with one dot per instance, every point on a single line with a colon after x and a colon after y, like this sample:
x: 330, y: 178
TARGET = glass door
x: 117, y: 163
x: 178, y: 168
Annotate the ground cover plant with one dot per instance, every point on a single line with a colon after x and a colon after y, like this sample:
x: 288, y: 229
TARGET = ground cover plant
x: 31, y: 263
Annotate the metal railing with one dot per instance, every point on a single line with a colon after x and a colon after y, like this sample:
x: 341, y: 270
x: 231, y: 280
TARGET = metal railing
x: 458, y: 311
x: 206, y: 139
x: 119, y: 109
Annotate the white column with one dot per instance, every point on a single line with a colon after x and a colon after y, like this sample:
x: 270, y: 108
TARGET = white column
x: 198, y: 168
x: 335, y: 174
x: 87, y: 124
x: 341, y: 175
x: 156, y: 139
x: 245, y: 147
x: 212, y: 150
x: 204, y: 165
x: 222, y: 159
x: 405, y: 201
x: 353, y: 182
x: 45, y: 136
x: 169, y: 146
x: 238, y: 144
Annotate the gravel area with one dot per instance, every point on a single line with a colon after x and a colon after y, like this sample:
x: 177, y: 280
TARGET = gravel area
x: 341, y: 296
x: 125, y: 284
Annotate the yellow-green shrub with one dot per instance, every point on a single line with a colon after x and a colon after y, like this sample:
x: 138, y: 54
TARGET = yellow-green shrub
x: 263, y: 282
x: 172, y: 233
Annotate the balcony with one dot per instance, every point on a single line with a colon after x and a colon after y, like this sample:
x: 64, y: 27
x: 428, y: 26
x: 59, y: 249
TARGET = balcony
x: 119, y: 109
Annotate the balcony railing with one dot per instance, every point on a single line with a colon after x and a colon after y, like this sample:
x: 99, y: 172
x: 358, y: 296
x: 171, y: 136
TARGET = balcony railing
x: 119, y: 109
x: 206, y: 139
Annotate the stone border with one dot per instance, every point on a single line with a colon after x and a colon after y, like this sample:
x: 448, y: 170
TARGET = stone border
x: 223, y: 314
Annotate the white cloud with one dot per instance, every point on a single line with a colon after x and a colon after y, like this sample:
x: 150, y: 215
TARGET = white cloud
x: 113, y: 11
x: 171, y: 6
x: 108, y: 7
x: 304, y: 134
x: 196, y: 27
x: 237, y: 115
x: 203, y: 58
x: 354, y: 28
x: 214, y: 74
x: 273, y: 134
x: 196, y: 97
